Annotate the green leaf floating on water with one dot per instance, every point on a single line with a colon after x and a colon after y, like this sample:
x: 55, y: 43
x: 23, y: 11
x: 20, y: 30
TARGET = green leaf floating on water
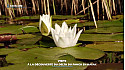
x: 69, y: 21
x: 50, y: 55
x: 44, y: 42
x: 105, y: 30
x: 13, y: 29
x: 23, y: 47
x: 54, y: 53
x: 34, y: 24
x: 29, y: 41
x: 29, y: 29
x: 71, y: 59
x: 67, y: 57
x: 5, y: 51
x: 84, y: 53
x: 25, y: 36
x: 101, y: 37
x: 27, y: 17
x: 38, y: 55
x: 67, y: 16
x: 107, y: 46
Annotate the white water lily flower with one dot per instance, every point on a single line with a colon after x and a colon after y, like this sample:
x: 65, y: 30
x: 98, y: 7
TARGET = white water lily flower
x: 64, y: 36
x: 45, y: 24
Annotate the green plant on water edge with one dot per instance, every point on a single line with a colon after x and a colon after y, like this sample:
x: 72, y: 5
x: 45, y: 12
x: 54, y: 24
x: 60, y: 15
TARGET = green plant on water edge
x: 104, y: 46
x: 101, y: 37
x: 44, y: 55
x: 113, y: 57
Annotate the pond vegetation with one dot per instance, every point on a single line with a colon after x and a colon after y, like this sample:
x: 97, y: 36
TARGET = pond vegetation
x: 21, y: 41
x: 106, y: 44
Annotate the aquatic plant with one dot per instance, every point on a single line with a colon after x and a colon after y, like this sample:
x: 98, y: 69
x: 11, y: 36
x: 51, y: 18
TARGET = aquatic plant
x: 45, y: 24
x: 64, y: 36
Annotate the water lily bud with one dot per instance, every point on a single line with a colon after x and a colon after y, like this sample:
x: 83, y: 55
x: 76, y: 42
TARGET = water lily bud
x: 45, y: 24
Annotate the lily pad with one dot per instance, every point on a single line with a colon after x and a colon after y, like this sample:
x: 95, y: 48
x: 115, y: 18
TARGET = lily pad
x: 105, y: 30
x: 44, y: 42
x: 14, y: 45
x: 50, y: 55
x: 20, y: 46
x: 29, y: 29
x: 107, y: 46
x: 117, y: 17
x: 69, y: 21
x: 77, y: 52
x: 67, y: 57
x: 5, y: 51
x: 118, y: 36
x: 34, y: 24
x: 101, y: 37
x: 27, y: 17
x: 83, y: 24
x: 71, y: 59
x: 67, y: 16
x: 26, y: 46
x: 24, y: 36
x: 29, y: 41
x: 55, y: 53
x: 102, y: 24
x: 80, y: 53
x: 46, y: 45
x: 106, y: 23
x: 10, y: 29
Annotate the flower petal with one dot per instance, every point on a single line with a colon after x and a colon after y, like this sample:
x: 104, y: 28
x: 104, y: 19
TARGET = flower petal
x: 40, y: 23
x: 69, y: 29
x: 55, y: 38
x: 76, y: 38
x: 61, y: 33
x: 69, y: 38
x: 74, y: 31
x: 57, y: 28
x: 62, y: 42
x: 64, y: 27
